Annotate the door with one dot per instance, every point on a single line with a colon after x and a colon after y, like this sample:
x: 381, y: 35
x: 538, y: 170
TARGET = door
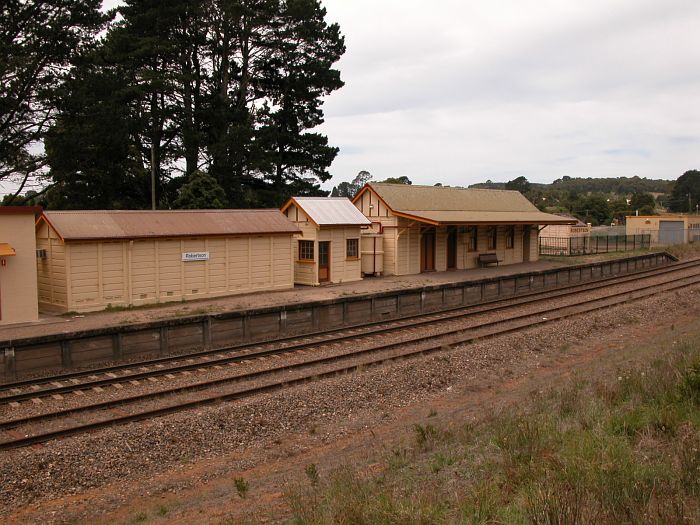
x: 427, y: 251
x: 527, y: 235
x: 324, y: 261
x: 451, y: 248
x: 671, y: 232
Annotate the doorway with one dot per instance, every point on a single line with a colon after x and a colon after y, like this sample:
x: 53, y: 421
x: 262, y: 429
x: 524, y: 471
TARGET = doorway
x: 427, y: 250
x: 527, y: 235
x: 324, y: 261
x: 451, y: 248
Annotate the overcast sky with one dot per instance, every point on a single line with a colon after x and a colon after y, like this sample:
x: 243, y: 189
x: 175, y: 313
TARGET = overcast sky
x: 461, y: 91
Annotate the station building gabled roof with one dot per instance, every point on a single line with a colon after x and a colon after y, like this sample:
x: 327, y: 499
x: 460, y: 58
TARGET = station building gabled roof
x: 329, y: 211
x: 139, y: 224
x: 439, y: 205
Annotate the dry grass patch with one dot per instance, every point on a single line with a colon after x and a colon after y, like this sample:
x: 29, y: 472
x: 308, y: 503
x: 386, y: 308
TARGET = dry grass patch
x: 621, y: 450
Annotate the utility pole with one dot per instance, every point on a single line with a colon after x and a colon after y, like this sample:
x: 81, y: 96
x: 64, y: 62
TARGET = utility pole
x: 153, y: 177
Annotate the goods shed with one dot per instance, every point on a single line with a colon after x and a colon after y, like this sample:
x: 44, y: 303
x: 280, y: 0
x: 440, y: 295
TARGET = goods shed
x: 665, y: 229
x: 90, y: 260
x: 328, y: 249
x: 433, y: 228
x: 18, y: 287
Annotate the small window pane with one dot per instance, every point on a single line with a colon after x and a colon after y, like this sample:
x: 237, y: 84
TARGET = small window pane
x: 352, y: 248
x: 510, y: 237
x: 492, y: 238
x: 306, y: 250
x: 473, y: 236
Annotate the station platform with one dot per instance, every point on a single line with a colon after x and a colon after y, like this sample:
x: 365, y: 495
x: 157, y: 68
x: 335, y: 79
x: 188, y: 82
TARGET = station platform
x: 64, y: 324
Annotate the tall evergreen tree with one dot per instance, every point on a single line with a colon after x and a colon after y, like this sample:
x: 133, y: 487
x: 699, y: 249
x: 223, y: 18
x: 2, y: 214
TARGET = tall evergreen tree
x: 38, y: 40
x: 94, y: 147
x: 302, y: 74
x: 230, y: 87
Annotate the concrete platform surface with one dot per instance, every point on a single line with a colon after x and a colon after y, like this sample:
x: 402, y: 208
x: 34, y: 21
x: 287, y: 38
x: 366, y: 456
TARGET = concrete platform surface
x: 57, y: 324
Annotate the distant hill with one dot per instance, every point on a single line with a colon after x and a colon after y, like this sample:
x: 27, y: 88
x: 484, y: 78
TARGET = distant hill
x: 617, y: 185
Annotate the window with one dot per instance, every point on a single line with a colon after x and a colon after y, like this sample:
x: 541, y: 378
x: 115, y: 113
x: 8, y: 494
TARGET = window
x: 306, y: 250
x: 352, y: 248
x: 510, y: 237
x: 473, y: 236
x: 491, y: 233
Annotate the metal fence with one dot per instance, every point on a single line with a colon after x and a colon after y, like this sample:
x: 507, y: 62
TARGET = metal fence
x: 585, y: 244
x: 669, y: 237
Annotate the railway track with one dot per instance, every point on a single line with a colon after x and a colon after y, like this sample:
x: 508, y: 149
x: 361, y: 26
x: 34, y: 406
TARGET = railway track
x: 29, y: 389
x: 416, y: 342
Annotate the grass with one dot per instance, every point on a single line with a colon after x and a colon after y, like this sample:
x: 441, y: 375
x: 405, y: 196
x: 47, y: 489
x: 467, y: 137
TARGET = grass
x: 624, y: 449
x: 595, y: 257
x: 241, y: 486
x: 682, y: 251
x: 685, y: 251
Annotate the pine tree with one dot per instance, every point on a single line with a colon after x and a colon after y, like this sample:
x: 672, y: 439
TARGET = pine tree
x: 38, y: 41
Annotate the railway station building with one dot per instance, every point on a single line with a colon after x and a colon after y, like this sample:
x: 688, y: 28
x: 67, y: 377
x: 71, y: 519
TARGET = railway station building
x: 328, y: 249
x: 433, y: 228
x: 90, y: 260
x: 18, y: 283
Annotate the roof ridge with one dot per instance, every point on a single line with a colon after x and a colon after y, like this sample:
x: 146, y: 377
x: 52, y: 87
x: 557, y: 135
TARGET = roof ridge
x: 441, y: 187
x: 207, y: 210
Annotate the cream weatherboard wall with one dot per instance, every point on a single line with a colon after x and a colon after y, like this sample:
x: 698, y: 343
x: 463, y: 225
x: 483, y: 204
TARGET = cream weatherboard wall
x: 92, y: 275
x: 342, y: 268
x: 18, y: 285
x: 51, y: 270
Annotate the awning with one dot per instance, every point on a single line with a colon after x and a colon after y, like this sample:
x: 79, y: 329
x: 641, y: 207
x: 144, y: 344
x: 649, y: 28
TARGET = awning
x: 466, y: 217
x: 6, y: 250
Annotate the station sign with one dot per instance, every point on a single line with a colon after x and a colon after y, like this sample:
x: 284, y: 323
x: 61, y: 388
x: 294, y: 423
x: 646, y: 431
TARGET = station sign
x: 195, y: 256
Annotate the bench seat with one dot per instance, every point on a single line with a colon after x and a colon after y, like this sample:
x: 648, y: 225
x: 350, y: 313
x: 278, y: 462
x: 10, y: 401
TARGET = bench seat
x: 488, y: 258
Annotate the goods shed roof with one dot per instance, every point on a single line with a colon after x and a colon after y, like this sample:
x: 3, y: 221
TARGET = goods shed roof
x: 136, y: 224
x: 329, y: 211
x: 443, y: 205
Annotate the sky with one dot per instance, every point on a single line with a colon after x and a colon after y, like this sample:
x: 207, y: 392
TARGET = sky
x: 460, y: 92
x: 464, y: 91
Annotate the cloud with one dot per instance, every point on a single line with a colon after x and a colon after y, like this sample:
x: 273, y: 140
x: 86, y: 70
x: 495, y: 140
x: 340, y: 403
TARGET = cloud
x: 458, y: 92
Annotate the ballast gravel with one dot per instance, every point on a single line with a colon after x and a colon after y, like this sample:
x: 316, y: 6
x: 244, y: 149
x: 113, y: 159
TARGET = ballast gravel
x: 138, y: 450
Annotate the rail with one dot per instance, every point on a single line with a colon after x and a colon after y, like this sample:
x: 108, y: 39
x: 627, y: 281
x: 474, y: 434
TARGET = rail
x: 23, y: 357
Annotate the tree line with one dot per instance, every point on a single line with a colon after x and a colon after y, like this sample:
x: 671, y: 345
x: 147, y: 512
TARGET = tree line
x: 602, y: 201
x: 166, y: 104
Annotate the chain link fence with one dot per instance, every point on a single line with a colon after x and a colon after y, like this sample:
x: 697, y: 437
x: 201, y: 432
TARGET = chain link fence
x: 586, y: 245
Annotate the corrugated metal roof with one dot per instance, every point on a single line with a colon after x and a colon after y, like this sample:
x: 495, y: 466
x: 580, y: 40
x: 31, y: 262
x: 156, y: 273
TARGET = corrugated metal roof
x: 333, y: 211
x: 463, y: 205
x: 123, y: 224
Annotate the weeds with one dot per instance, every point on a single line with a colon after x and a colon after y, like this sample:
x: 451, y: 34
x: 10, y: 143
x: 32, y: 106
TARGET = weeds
x: 425, y: 436
x: 312, y: 473
x: 241, y: 487
x: 621, y: 450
